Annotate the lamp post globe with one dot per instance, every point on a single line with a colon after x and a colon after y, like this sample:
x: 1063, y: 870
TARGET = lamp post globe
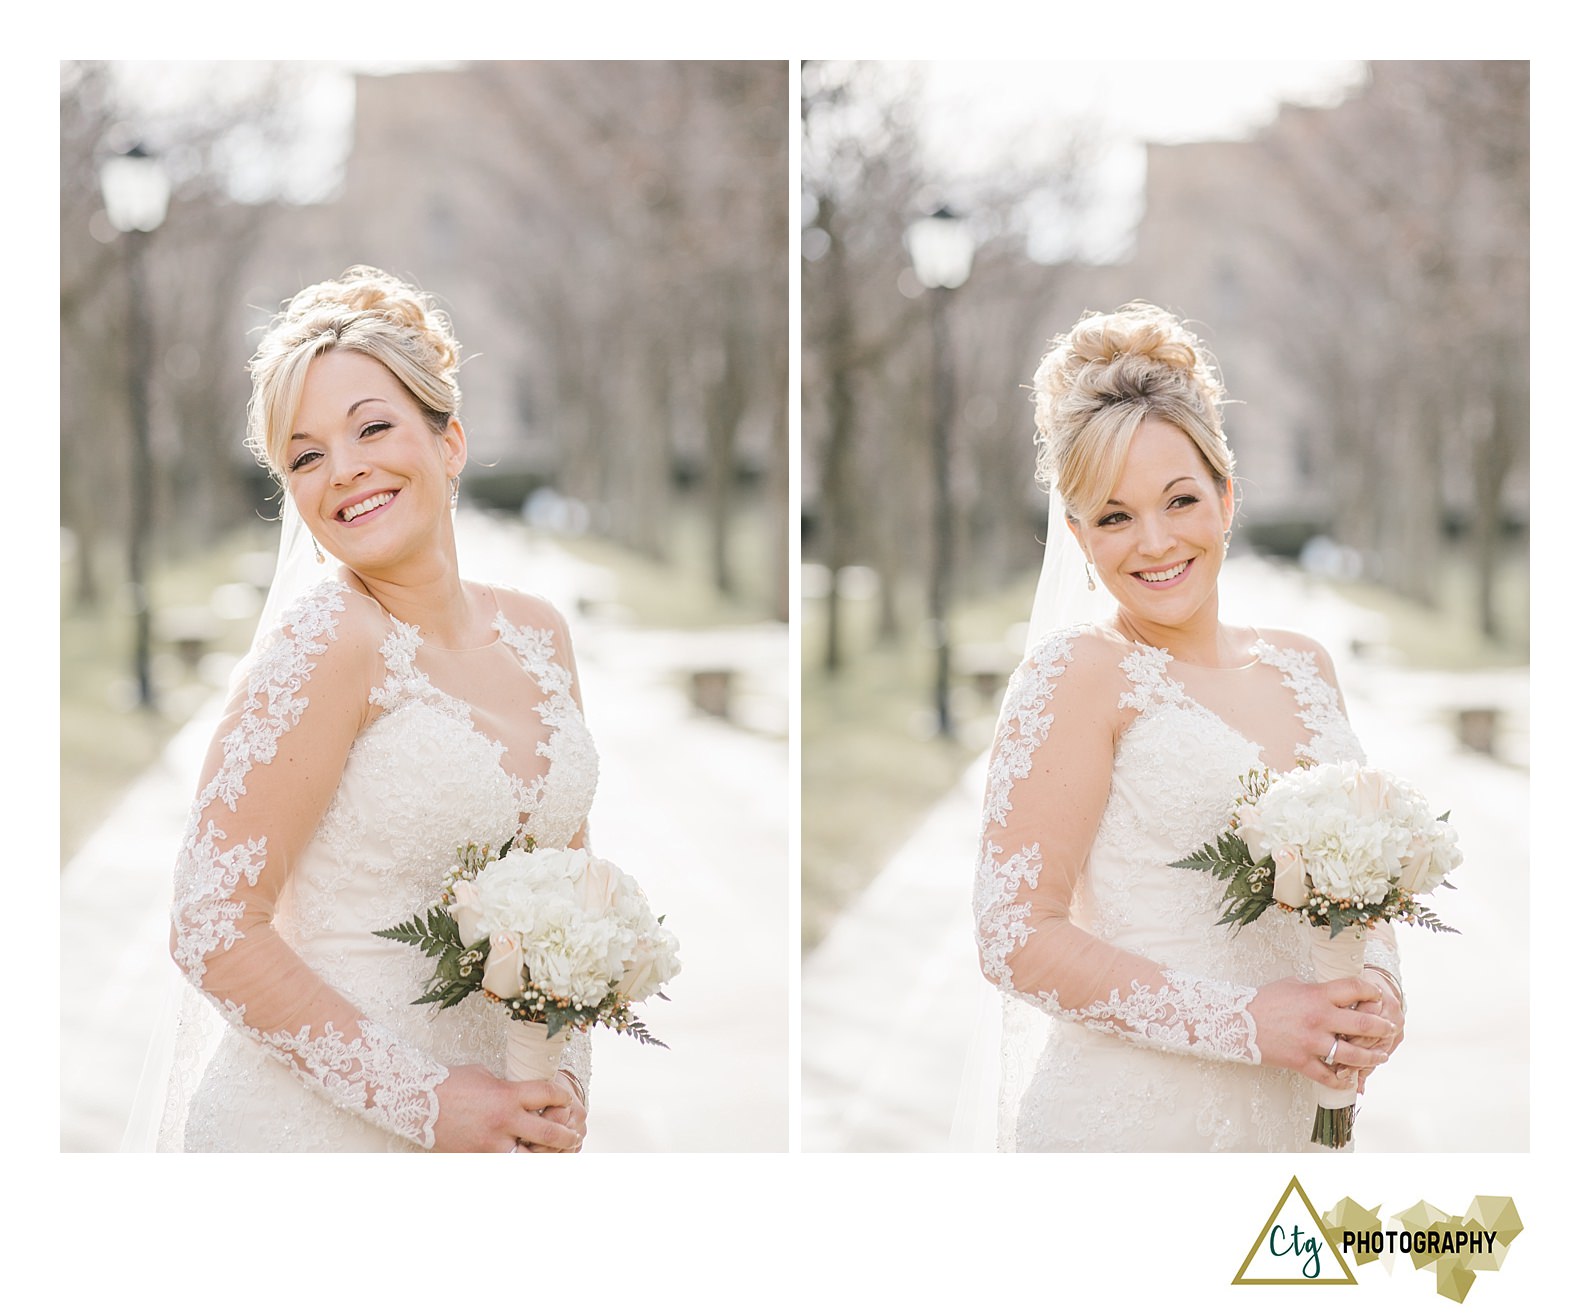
x: 941, y: 246
x: 136, y: 192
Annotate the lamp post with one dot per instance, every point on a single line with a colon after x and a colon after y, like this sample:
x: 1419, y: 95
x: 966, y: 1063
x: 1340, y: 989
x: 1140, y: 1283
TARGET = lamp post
x: 941, y: 247
x: 136, y: 191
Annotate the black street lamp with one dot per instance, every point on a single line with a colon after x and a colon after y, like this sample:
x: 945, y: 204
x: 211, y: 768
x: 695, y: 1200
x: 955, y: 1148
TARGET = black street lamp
x: 941, y: 247
x: 136, y: 191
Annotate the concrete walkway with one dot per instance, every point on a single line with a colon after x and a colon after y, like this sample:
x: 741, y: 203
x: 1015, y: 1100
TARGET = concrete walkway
x: 695, y: 807
x: 893, y: 998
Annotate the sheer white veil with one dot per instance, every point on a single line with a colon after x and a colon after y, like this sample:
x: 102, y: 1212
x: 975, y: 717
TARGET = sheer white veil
x: 189, y: 1028
x: 1008, y: 1035
x: 297, y: 571
x: 1063, y: 597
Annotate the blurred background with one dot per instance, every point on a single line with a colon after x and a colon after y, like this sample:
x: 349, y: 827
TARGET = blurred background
x: 611, y: 243
x: 1352, y: 241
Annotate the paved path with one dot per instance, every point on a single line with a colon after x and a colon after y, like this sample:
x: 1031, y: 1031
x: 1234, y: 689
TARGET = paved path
x: 892, y: 998
x: 696, y: 808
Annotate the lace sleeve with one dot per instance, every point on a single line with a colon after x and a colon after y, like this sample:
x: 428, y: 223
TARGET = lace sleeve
x: 1380, y: 954
x: 272, y: 768
x: 1047, y: 789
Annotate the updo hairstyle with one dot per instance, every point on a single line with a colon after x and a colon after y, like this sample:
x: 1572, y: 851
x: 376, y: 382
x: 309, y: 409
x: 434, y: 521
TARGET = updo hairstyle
x: 365, y: 310
x: 1101, y: 380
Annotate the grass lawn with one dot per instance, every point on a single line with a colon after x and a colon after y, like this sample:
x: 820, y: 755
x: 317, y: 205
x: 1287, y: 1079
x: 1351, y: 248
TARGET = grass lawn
x: 871, y: 763
x: 1448, y: 637
x: 106, y: 741
x: 679, y: 593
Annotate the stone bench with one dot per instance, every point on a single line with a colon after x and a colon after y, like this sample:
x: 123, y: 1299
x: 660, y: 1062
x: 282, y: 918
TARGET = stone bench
x: 190, y: 631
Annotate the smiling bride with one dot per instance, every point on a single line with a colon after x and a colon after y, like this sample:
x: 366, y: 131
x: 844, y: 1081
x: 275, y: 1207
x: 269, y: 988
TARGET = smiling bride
x: 1134, y: 1021
x: 388, y: 713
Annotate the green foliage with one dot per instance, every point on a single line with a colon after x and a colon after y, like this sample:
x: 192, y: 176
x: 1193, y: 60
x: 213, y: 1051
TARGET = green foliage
x: 1423, y: 916
x: 459, y: 969
x: 434, y: 932
x: 557, y: 1018
x: 639, y: 1031
x: 1250, y: 885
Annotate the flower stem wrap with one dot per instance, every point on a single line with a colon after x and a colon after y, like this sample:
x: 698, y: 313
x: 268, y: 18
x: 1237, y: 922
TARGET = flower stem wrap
x: 1341, y: 958
x: 532, y: 1054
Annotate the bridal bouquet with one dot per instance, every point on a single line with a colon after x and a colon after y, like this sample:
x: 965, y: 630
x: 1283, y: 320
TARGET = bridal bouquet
x: 1345, y: 847
x: 560, y: 938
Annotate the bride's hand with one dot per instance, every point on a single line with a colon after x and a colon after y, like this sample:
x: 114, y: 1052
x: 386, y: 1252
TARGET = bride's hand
x: 477, y: 1113
x: 1299, y: 1024
x: 571, y: 1114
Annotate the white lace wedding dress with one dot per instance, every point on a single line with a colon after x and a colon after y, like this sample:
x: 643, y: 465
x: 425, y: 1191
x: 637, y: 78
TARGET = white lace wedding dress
x: 1126, y: 1022
x: 352, y: 762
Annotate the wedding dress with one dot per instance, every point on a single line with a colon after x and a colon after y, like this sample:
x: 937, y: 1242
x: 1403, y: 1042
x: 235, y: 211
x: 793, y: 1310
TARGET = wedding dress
x: 1127, y: 1023
x: 353, y: 761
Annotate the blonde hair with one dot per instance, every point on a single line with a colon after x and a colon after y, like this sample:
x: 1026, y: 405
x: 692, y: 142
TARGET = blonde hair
x: 365, y: 310
x: 1100, y: 381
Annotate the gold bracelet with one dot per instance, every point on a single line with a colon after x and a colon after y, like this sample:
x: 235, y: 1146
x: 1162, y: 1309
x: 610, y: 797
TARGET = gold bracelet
x: 1396, y: 986
x: 578, y: 1083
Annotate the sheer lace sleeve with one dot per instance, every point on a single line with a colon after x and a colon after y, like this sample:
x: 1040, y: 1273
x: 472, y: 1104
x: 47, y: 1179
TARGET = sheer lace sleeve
x: 1048, y: 783
x: 272, y: 768
x: 1380, y: 954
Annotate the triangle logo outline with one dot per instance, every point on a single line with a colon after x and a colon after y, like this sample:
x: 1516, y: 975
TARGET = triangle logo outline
x: 1294, y: 1186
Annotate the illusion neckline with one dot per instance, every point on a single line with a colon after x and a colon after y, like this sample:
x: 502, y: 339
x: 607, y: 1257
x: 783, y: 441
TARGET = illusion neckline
x: 499, y: 624
x: 1256, y: 648
x: 1265, y: 653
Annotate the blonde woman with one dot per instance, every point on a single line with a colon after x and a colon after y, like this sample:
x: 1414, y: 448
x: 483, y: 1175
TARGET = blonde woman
x: 390, y: 711
x: 1134, y: 1021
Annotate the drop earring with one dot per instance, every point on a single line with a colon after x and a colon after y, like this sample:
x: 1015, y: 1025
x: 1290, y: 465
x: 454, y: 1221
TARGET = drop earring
x: 455, y: 492
x: 1087, y: 569
x: 320, y: 556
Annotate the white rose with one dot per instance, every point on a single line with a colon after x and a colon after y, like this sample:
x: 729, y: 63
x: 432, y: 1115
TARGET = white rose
x: 504, y: 974
x: 1431, y: 856
x: 1371, y: 794
x: 1252, y: 831
x: 655, y: 964
x: 1291, y: 879
x: 465, y: 910
x: 1418, y: 864
x: 598, y: 886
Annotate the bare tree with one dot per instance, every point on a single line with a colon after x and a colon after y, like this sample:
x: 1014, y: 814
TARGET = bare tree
x: 1400, y: 220
x: 196, y: 262
x: 651, y: 199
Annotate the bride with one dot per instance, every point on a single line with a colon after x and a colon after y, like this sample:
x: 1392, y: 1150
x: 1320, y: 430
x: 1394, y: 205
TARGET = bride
x: 1133, y: 1020
x: 387, y: 715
